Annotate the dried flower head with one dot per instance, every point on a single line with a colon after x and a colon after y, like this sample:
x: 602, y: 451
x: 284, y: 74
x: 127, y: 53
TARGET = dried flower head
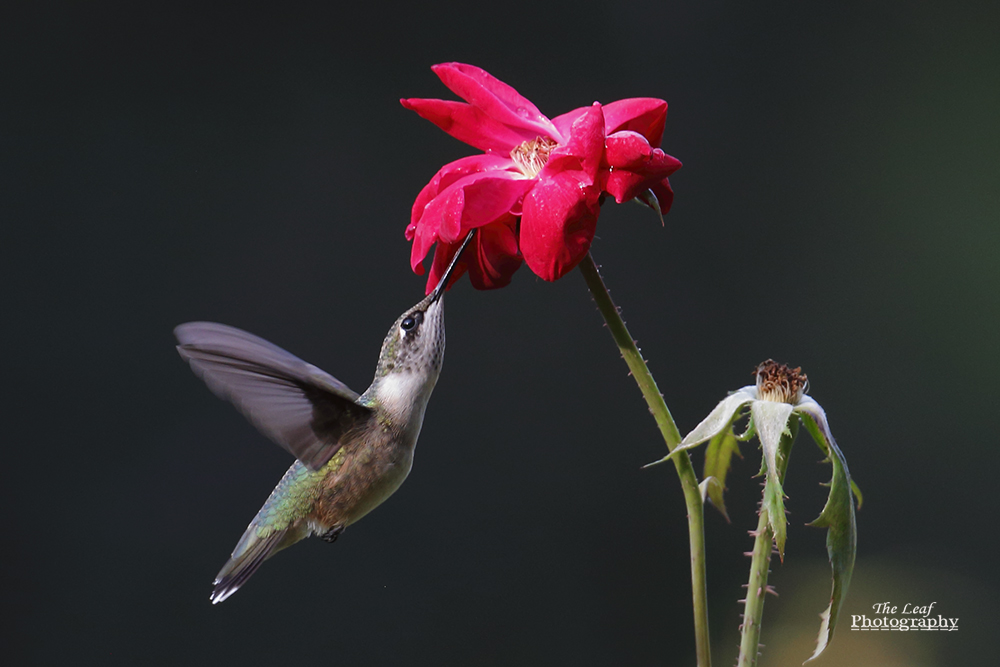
x: 778, y: 397
x: 779, y: 383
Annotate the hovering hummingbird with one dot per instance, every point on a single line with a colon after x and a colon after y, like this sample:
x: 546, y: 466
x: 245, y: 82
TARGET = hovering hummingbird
x: 352, y: 452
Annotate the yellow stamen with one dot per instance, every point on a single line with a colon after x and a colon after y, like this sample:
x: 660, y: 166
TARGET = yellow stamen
x: 532, y: 155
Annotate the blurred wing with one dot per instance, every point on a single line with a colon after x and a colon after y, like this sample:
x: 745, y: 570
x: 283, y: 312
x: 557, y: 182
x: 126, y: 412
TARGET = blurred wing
x: 295, y: 404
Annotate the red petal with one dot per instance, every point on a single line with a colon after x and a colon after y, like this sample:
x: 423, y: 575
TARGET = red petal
x: 491, y: 259
x: 664, y: 195
x: 494, y: 98
x: 560, y: 216
x: 626, y: 150
x: 497, y: 256
x: 449, y: 174
x: 565, y: 121
x: 473, y: 201
x: 442, y: 260
x: 624, y: 185
x: 631, y: 173
x: 467, y: 123
x: 584, y: 150
x: 645, y: 115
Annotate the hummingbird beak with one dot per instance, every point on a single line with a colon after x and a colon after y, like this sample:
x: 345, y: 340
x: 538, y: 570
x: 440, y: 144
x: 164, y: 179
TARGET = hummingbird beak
x: 443, y: 283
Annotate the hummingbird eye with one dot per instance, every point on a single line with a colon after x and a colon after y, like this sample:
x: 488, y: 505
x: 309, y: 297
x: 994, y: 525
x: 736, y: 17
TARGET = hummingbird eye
x: 410, y: 322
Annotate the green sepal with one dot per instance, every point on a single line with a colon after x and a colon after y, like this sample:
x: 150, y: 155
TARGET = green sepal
x: 648, y: 198
x: 857, y: 493
x: 774, y: 504
x: 838, y: 517
x: 718, y: 456
x: 705, y: 485
x: 774, y: 496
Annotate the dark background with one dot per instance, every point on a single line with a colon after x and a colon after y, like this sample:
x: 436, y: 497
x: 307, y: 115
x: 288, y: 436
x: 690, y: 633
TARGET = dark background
x: 837, y: 210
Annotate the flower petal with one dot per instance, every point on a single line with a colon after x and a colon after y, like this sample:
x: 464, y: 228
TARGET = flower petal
x: 583, y: 151
x: 497, y: 255
x: 443, y: 255
x: 635, y: 166
x: 664, y: 195
x: 449, y: 174
x: 491, y: 260
x: 558, y: 220
x: 625, y: 185
x: 469, y: 124
x: 495, y: 98
x: 627, y: 150
x: 645, y: 115
x: 565, y: 121
x: 472, y: 201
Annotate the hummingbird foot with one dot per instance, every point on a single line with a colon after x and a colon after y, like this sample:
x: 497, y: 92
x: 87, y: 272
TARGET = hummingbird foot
x: 332, y: 534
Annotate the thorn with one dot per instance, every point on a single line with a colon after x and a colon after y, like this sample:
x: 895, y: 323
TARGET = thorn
x: 743, y: 601
x: 770, y: 589
x: 748, y: 554
x: 744, y: 585
x: 760, y: 591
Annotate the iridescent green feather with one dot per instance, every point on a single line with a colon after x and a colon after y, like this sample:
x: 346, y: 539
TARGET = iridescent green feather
x: 290, y: 501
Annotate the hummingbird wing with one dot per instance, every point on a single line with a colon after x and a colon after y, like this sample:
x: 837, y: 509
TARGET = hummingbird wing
x: 295, y: 404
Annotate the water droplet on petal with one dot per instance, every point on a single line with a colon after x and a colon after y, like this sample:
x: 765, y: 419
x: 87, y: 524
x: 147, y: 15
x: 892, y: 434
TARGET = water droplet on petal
x: 524, y: 113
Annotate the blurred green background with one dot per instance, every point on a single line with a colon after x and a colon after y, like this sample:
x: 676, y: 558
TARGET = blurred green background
x: 169, y: 162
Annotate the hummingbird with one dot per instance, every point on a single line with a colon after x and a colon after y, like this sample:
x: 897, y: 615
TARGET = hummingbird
x: 352, y: 451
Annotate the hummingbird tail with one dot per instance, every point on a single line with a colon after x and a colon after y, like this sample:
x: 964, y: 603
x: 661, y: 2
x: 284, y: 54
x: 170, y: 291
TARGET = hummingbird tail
x: 248, y: 556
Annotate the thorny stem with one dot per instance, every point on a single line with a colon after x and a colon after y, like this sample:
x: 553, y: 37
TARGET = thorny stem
x: 763, y: 545
x: 756, y: 589
x: 672, y: 437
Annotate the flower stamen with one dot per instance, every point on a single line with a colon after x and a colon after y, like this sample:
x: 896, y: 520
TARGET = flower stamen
x: 530, y: 156
x: 780, y: 384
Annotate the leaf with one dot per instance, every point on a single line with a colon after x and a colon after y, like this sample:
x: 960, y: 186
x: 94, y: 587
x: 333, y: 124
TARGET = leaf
x: 718, y: 456
x: 837, y: 516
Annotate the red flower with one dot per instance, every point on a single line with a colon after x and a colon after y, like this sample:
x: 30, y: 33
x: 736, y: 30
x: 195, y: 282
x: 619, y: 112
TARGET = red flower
x: 535, y: 192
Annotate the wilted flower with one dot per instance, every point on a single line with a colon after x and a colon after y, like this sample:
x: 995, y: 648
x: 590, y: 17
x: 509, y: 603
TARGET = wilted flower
x: 779, y: 396
x: 535, y: 192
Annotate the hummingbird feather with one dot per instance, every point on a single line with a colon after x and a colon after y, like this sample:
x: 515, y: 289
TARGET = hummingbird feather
x: 240, y: 568
x: 295, y: 404
x: 280, y: 523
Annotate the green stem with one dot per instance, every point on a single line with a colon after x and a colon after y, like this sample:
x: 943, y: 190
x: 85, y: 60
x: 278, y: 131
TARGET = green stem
x: 756, y: 590
x: 672, y: 437
x: 763, y: 545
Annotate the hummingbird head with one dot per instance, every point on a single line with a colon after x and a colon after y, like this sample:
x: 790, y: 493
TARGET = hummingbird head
x: 413, y: 350
x: 415, y: 343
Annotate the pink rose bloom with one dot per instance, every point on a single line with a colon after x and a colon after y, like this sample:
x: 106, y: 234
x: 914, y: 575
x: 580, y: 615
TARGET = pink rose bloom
x: 535, y: 193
